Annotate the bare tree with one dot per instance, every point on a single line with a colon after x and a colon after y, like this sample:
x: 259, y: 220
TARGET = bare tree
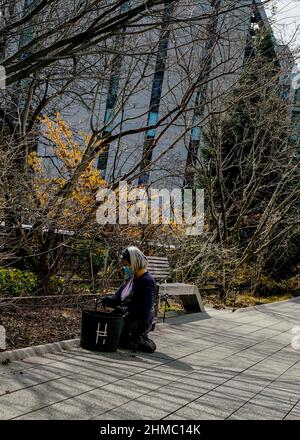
x: 96, y: 57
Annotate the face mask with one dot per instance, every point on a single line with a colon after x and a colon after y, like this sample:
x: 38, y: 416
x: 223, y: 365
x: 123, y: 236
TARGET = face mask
x: 128, y: 272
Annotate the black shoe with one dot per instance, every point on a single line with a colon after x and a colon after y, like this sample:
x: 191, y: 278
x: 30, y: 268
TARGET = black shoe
x: 146, y: 345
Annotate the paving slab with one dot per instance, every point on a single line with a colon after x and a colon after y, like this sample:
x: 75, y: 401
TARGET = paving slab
x: 215, y: 365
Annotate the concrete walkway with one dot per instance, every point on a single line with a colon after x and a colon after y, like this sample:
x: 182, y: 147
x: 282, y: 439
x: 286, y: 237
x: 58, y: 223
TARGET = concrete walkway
x: 214, y: 365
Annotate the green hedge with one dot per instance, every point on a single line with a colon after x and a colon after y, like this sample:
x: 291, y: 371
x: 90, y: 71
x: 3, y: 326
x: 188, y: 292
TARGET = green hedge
x: 16, y: 282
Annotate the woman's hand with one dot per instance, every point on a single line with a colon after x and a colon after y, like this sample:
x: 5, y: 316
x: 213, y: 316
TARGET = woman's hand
x: 121, y: 309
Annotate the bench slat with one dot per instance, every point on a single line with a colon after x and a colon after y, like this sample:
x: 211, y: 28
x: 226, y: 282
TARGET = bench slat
x: 166, y: 266
x: 161, y: 274
x: 159, y: 266
x: 159, y: 269
x: 157, y: 258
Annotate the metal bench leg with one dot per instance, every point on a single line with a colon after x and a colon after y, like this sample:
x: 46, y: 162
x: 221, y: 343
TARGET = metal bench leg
x: 165, y: 298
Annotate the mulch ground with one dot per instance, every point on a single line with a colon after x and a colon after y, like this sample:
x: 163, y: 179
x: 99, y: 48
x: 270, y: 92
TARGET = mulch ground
x: 28, y: 326
x: 25, y: 328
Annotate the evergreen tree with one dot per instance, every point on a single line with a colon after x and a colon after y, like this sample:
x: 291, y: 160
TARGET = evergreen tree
x: 247, y: 155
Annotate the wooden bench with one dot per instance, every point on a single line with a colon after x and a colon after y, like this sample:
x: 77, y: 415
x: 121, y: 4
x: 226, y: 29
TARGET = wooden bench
x: 189, y: 294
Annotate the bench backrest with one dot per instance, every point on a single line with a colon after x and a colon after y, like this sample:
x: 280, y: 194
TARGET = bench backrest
x: 159, y: 267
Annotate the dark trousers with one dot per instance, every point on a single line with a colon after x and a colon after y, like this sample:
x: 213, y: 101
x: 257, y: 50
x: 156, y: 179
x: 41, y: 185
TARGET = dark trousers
x: 135, y: 336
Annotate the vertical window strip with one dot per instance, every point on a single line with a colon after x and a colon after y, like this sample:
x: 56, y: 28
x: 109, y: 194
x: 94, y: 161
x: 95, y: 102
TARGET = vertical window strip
x: 156, y: 92
x: 26, y: 36
x: 27, y: 32
x: 112, y: 95
x: 195, y: 136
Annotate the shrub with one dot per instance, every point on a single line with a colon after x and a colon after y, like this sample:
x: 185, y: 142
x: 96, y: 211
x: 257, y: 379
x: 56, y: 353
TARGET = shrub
x: 268, y: 286
x: 55, y: 285
x: 16, y: 282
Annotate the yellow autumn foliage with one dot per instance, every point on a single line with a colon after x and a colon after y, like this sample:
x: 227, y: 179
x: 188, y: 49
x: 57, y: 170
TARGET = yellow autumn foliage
x: 69, y: 151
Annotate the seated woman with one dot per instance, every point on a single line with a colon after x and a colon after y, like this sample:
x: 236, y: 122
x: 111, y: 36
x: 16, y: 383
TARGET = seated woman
x: 135, y: 298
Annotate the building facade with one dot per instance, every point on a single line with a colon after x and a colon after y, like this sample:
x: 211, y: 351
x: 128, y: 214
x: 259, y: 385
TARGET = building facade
x: 158, y: 86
